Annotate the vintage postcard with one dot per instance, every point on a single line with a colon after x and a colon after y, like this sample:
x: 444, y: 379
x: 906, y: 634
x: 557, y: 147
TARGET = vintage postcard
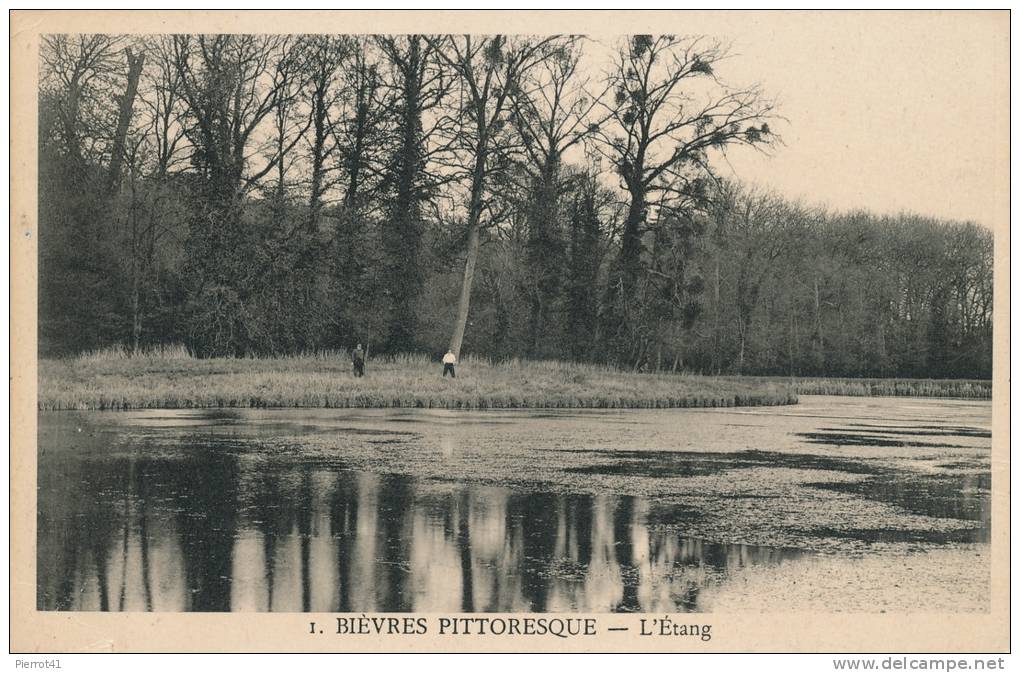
x: 452, y: 331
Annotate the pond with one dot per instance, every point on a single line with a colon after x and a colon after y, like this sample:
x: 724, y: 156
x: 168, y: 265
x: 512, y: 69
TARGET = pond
x: 501, y: 511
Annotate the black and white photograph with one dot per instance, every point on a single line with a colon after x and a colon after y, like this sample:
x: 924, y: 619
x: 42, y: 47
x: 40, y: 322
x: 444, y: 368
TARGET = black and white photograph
x: 544, y: 320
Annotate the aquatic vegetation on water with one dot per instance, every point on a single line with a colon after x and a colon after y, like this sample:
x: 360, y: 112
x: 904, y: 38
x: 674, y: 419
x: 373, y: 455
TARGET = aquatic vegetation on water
x: 520, y: 510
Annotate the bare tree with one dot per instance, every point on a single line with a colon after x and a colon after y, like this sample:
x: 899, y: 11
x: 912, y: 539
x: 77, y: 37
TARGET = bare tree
x: 361, y: 132
x: 323, y: 57
x: 92, y: 82
x: 551, y: 110
x: 164, y: 110
x: 80, y: 74
x: 487, y: 68
x: 289, y: 123
x: 230, y: 84
x: 125, y: 105
x: 755, y: 230
x: 668, y: 114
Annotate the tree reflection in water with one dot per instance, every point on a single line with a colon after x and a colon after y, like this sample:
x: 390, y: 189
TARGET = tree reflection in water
x: 215, y: 529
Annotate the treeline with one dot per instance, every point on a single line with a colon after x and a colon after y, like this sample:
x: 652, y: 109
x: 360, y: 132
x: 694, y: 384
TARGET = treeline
x: 265, y: 195
x: 759, y: 285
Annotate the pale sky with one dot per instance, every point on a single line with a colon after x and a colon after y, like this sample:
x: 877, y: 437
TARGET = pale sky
x: 890, y: 112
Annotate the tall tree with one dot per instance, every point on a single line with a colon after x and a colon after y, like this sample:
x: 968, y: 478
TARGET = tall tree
x: 754, y: 230
x: 80, y: 295
x: 125, y: 109
x: 79, y: 80
x: 420, y: 83
x: 668, y: 115
x: 324, y: 57
x: 230, y: 84
x: 592, y: 223
x: 156, y: 207
x: 550, y: 112
x: 487, y: 69
x: 358, y: 275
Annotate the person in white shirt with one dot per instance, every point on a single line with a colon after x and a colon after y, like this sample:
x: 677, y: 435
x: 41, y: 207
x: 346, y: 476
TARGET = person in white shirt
x: 449, y: 360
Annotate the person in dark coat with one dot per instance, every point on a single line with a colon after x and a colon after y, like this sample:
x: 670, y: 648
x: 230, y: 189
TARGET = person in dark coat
x: 358, y: 360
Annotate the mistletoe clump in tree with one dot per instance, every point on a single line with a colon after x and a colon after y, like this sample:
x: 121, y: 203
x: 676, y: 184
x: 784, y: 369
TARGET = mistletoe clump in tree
x: 667, y: 117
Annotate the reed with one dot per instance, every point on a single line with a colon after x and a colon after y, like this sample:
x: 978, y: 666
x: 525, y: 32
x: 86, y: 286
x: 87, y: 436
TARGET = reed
x: 171, y: 378
x: 948, y: 388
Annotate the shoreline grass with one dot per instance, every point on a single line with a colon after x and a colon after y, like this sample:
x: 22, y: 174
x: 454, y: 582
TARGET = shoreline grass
x: 892, y: 387
x: 172, y: 379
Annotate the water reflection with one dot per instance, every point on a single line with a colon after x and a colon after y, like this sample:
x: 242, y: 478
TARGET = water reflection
x: 216, y: 530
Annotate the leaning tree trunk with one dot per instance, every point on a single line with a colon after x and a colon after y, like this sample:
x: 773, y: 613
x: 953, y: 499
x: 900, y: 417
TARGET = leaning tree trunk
x: 127, y: 101
x: 740, y: 354
x: 473, y: 243
x: 465, y: 290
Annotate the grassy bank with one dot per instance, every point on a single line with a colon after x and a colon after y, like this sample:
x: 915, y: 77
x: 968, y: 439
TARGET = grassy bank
x: 173, y: 380
x: 958, y: 388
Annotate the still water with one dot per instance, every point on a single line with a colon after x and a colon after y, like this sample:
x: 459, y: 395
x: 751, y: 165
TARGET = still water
x: 401, y: 510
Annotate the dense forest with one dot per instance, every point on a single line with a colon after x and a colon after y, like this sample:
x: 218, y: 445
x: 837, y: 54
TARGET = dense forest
x: 505, y: 196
